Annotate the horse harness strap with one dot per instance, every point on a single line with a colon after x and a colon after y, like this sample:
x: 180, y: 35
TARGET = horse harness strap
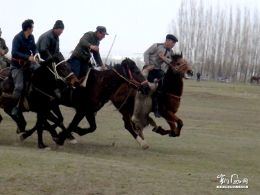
x: 178, y: 97
x: 52, y: 98
x: 125, y: 100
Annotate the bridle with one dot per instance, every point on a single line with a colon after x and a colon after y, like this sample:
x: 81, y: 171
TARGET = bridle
x: 55, y: 72
x: 131, y: 80
x: 175, y: 69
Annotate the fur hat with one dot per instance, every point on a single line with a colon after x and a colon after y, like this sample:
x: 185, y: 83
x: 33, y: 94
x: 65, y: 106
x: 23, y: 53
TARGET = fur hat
x: 58, y: 24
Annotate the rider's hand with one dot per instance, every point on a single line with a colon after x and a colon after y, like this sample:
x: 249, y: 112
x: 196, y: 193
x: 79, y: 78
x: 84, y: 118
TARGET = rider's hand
x: 149, y: 67
x: 161, y: 55
x: 93, y: 47
x: 31, y: 59
x: 103, y: 67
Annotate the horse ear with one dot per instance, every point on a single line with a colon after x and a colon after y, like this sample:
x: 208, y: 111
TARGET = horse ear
x: 181, y: 54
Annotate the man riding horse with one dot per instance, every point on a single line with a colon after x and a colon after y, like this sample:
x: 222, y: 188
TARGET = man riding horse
x: 23, y: 61
x: 156, y: 57
x: 48, y: 44
x: 3, y: 51
x: 80, y: 58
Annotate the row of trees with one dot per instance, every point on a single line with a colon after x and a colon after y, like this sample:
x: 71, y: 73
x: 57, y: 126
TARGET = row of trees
x: 217, y: 42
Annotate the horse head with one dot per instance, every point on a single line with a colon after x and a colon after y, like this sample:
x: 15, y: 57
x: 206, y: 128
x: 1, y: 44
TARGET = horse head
x: 134, y: 75
x: 180, y: 65
x: 59, y: 67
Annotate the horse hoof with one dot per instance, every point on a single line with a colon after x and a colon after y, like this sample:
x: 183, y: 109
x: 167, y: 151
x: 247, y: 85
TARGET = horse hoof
x: 20, y: 134
x: 59, y: 146
x: 44, y: 147
x: 47, y: 148
x: 56, y: 139
x: 72, y: 141
x: 145, y: 146
x: 22, y: 138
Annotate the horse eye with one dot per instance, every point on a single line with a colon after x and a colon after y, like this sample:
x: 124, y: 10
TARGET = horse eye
x: 178, y: 64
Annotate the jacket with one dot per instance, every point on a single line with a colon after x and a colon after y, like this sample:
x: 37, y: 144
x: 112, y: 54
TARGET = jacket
x: 22, y: 49
x: 82, y: 49
x: 4, y: 47
x: 48, y: 44
x: 151, y: 55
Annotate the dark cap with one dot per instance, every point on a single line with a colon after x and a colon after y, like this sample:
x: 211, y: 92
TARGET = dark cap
x: 102, y: 30
x: 58, y: 24
x: 172, y: 37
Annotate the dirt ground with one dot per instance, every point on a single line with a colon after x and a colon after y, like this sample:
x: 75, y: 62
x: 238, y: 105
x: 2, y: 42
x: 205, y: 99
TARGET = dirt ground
x: 220, y: 136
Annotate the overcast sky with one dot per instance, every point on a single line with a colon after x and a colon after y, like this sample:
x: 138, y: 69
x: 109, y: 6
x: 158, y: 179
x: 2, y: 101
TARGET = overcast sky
x: 137, y: 23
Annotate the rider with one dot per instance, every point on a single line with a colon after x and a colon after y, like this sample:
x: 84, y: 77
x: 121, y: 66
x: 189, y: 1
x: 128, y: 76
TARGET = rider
x: 48, y: 45
x: 48, y: 42
x: 157, y: 56
x: 80, y: 58
x: 23, y: 49
x: 3, y: 50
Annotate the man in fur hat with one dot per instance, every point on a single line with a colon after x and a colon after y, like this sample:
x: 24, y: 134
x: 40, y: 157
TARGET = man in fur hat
x: 48, y: 42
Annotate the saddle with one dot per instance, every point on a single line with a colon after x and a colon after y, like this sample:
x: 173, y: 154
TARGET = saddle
x: 7, y: 88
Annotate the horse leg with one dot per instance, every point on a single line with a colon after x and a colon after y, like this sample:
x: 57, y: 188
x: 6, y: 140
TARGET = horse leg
x: 1, y: 118
x: 73, y: 126
x: 41, y: 120
x: 172, y: 119
x: 59, y: 122
x: 20, y: 121
x: 129, y: 126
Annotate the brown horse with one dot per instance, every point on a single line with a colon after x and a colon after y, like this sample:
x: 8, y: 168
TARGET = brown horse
x: 169, y: 96
x: 254, y: 78
x: 100, y: 85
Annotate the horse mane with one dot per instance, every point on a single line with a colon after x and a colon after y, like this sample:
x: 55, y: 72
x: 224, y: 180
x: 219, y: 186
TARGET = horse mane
x: 176, y: 56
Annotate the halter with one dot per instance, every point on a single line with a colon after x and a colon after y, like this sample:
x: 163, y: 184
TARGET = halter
x: 175, y: 69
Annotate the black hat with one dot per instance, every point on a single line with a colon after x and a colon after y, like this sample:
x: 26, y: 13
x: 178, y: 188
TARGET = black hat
x: 102, y: 30
x: 172, y: 37
x: 58, y: 24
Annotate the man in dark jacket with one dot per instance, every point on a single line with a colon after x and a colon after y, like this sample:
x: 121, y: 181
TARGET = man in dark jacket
x: 80, y: 58
x: 48, y: 43
x: 3, y: 50
x: 23, y: 51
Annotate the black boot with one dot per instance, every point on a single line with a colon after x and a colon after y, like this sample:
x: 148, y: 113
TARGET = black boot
x: 15, y: 110
x: 156, y: 108
x: 57, y: 93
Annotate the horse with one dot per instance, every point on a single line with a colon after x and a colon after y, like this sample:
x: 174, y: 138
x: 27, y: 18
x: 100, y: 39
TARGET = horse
x: 254, y: 78
x: 169, y: 96
x: 41, y: 97
x: 91, y: 96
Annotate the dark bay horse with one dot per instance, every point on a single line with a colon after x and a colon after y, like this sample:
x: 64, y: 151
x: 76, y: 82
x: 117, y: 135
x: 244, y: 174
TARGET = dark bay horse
x: 169, y: 97
x: 99, y: 88
x: 41, y: 98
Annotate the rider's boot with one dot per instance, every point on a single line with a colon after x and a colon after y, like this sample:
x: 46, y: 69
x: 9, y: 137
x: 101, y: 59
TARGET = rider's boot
x: 156, y: 108
x: 15, y: 110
